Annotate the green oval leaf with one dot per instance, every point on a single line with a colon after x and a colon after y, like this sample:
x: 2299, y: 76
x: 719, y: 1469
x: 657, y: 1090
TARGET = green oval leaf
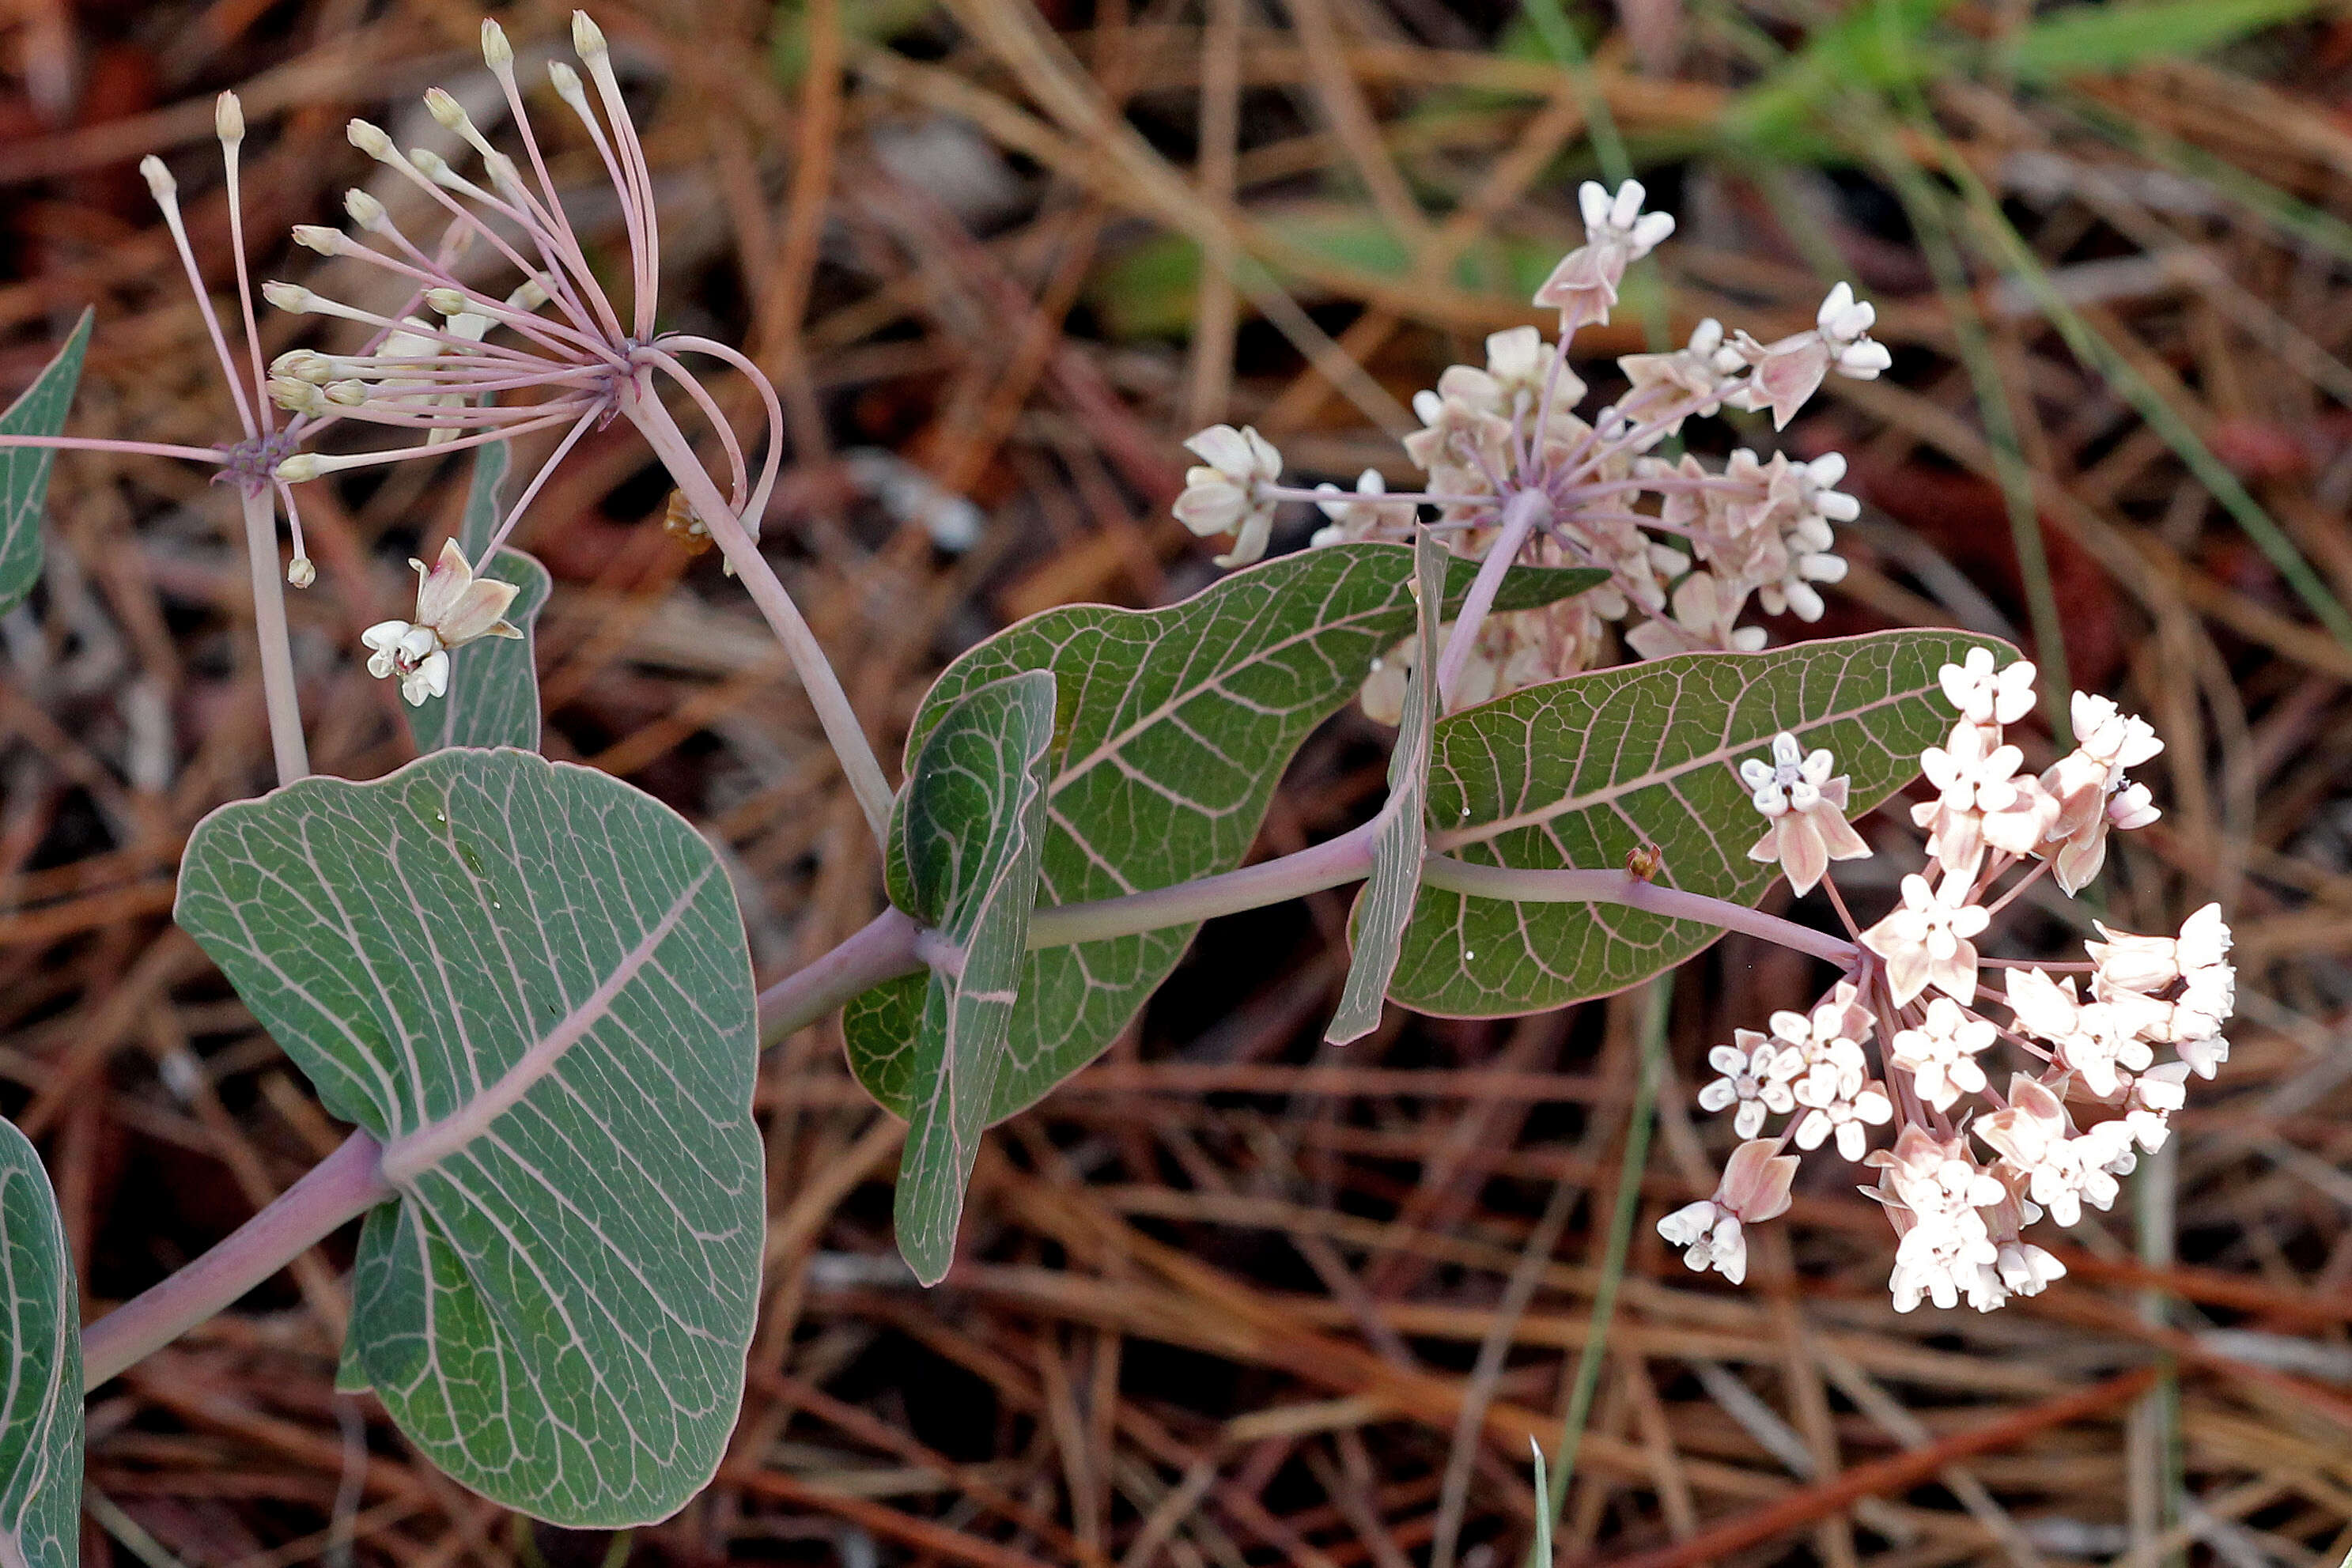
x: 493, y: 696
x: 965, y: 840
x: 1580, y: 772
x: 1172, y: 726
x: 40, y: 1368
x: 528, y: 980
x: 25, y: 470
x: 1400, y: 838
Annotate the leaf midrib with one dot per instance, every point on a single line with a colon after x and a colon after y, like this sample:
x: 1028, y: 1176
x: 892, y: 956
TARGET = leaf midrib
x: 1617, y: 789
x: 413, y: 1153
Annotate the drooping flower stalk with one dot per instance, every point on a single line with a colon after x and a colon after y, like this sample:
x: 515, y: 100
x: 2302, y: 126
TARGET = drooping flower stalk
x: 555, y: 336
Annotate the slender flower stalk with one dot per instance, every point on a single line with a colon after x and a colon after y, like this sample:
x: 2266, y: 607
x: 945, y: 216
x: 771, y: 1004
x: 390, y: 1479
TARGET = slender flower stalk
x: 248, y: 462
x: 555, y: 335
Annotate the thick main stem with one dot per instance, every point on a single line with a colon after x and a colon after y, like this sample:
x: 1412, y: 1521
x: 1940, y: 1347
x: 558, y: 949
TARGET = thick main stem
x: 278, y: 691
x: 1521, y: 513
x: 340, y: 1187
x: 783, y: 617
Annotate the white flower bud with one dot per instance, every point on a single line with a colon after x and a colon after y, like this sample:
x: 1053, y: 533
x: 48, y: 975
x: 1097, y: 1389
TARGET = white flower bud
x: 159, y: 179
x: 431, y: 164
x: 497, y: 53
x: 364, y: 210
x: 587, y: 39
x: 449, y: 301
x: 229, y: 118
x: 371, y: 140
x: 530, y: 295
x: 566, y: 82
x: 290, y: 298
x: 301, y: 572
x: 297, y: 397
x: 446, y: 109
x: 304, y: 365
x: 347, y: 393
x: 319, y: 237
x: 301, y: 466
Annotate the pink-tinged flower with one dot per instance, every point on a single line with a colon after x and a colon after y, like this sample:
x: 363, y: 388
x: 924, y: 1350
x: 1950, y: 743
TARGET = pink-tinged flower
x: 1838, y: 1025
x: 2096, y: 1040
x: 2154, y: 1095
x: 1617, y: 233
x: 2026, y: 1270
x: 1365, y: 513
x: 1979, y: 795
x: 1927, y: 939
x: 453, y: 608
x: 1787, y: 373
x: 2062, y: 1172
x: 1941, y: 1053
x: 1748, y: 1082
x: 2204, y: 1057
x: 2150, y: 964
x: 1227, y: 494
x: 1754, y: 1188
x: 1707, y: 368
x: 1935, y: 1195
x: 1456, y: 437
x: 1986, y: 695
x: 2091, y: 791
x: 1806, y: 808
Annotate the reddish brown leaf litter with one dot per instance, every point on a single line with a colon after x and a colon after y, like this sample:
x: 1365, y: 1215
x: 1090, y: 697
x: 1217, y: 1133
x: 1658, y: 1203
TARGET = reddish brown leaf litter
x: 1223, y: 1298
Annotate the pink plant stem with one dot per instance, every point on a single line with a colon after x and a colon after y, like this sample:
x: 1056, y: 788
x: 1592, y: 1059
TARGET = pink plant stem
x: 121, y: 448
x: 858, y: 763
x: 881, y: 950
x: 758, y: 511
x: 1521, y: 513
x: 530, y: 491
x: 551, y: 335
x: 739, y: 476
x: 1617, y: 887
x: 277, y: 690
x: 339, y: 1188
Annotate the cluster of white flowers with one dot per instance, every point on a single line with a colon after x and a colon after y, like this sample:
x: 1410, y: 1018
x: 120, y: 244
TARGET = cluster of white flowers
x: 1970, y: 1167
x: 1689, y: 547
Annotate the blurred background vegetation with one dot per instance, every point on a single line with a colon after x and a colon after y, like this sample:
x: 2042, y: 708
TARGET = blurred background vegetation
x: 1230, y: 1298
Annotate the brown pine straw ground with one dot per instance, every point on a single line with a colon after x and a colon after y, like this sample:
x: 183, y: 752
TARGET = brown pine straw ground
x: 1228, y: 1298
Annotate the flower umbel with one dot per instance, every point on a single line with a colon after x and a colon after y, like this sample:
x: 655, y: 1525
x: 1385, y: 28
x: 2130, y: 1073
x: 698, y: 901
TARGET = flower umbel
x: 2095, y: 1095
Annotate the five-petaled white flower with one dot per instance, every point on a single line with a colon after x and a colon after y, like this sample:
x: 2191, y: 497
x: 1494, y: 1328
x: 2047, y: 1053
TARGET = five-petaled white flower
x: 1617, y: 233
x: 2090, y: 790
x: 1754, y: 1188
x: 1227, y: 494
x: 1787, y: 372
x: 1807, y: 809
x: 1986, y: 695
x: 1940, y: 1053
x: 453, y: 608
x: 1927, y: 939
x: 1749, y: 1081
x: 1980, y: 799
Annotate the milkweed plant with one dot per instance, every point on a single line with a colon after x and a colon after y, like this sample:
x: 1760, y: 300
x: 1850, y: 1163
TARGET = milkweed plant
x: 526, y: 984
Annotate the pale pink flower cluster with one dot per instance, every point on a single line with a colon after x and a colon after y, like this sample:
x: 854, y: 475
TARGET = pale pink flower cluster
x: 1901, y: 1042
x: 1689, y: 547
